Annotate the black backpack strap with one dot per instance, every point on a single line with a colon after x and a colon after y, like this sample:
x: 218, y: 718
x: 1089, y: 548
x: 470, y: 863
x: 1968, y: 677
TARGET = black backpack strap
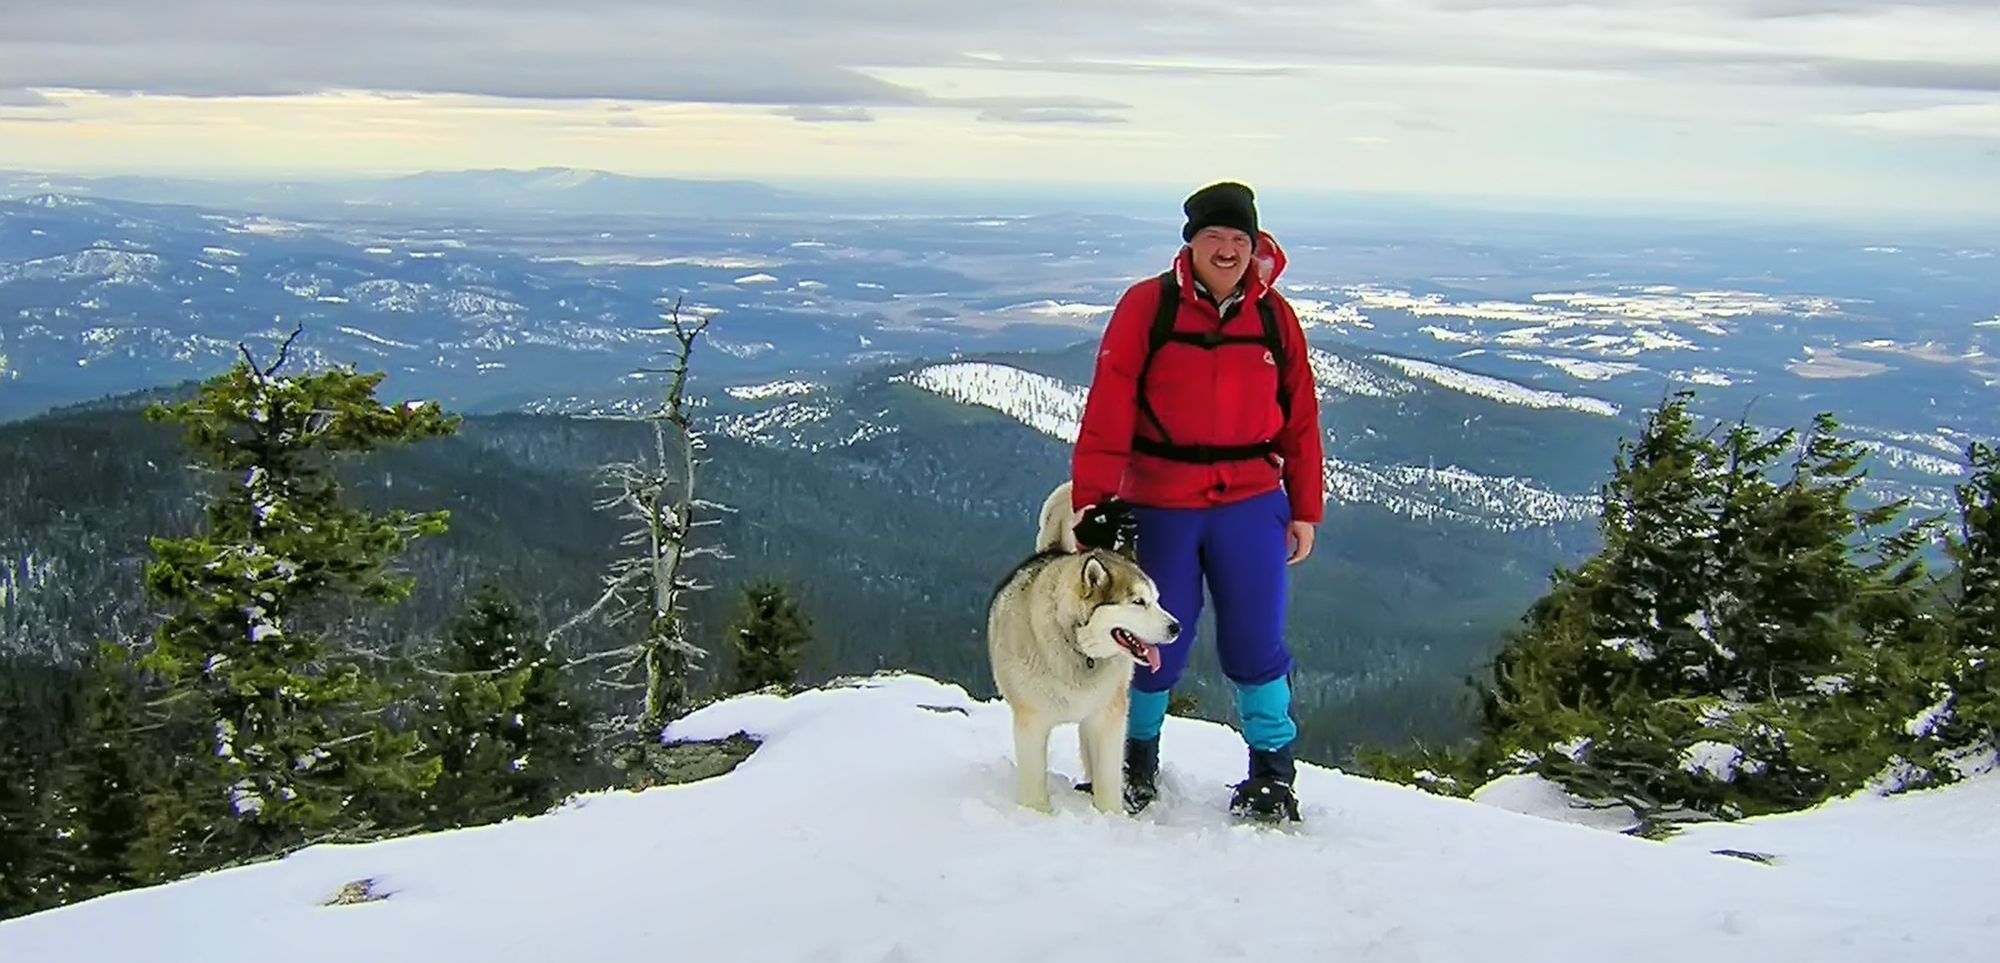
x: 1163, y: 332
x: 1276, y: 344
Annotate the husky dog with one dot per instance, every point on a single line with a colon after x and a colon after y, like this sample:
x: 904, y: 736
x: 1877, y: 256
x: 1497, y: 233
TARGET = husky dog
x: 1065, y: 630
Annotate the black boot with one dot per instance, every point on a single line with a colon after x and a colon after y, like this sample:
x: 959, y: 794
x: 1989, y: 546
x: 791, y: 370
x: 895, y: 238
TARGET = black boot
x: 1142, y: 774
x: 1267, y: 796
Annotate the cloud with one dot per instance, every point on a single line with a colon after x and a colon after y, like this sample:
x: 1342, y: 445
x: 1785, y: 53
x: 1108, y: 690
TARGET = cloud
x: 23, y: 98
x: 1912, y: 73
x: 1128, y: 67
x: 813, y: 114
x: 834, y: 53
x: 1941, y: 120
x: 780, y: 53
x: 1048, y: 115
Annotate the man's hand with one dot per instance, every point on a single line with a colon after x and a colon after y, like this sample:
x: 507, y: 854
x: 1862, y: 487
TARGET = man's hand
x: 1109, y: 525
x: 1301, y: 541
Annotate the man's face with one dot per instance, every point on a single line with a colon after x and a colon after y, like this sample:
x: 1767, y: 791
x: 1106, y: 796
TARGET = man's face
x: 1220, y: 256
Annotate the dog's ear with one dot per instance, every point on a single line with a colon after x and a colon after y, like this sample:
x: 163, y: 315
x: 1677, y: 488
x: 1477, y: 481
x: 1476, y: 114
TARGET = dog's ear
x: 1095, y: 575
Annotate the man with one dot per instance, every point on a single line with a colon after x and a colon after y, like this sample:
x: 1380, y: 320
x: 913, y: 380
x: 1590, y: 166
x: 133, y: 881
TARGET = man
x: 1208, y: 438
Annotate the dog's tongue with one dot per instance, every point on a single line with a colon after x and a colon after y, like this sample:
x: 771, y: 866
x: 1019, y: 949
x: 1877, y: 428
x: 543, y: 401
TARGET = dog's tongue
x: 1152, y: 656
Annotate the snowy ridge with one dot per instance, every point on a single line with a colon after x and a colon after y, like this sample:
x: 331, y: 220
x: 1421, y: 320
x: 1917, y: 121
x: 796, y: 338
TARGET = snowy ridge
x: 1624, y: 323
x: 1314, y: 313
x: 1498, y: 389
x: 1913, y: 460
x: 842, y: 814
x: 1501, y: 503
x: 54, y: 200
x: 1055, y: 408
x: 378, y: 339
x: 403, y: 297
x: 1059, y: 309
x: 1335, y: 375
x: 778, y: 424
x: 634, y: 260
x: 742, y: 349
x: 104, y: 265
x: 1578, y: 368
x: 1703, y: 376
x: 774, y: 389
x: 1949, y: 442
x: 577, y: 407
x: 1043, y: 403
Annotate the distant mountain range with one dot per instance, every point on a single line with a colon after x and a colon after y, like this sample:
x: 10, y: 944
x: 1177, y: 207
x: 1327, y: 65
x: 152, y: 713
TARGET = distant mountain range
x: 486, y: 191
x: 478, y: 289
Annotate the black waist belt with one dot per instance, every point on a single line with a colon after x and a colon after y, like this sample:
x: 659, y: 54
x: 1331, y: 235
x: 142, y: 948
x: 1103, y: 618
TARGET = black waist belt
x: 1204, y: 454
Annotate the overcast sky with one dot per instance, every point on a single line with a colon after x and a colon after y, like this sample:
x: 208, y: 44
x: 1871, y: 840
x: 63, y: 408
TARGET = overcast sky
x: 1865, y: 103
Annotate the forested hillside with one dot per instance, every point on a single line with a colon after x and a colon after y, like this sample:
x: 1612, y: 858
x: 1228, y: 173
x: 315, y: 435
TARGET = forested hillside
x: 890, y: 545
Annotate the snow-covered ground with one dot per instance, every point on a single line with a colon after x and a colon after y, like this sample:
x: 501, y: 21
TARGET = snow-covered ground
x: 876, y: 823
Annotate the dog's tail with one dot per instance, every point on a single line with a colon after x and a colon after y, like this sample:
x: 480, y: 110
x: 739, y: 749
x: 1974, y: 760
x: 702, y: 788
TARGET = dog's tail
x: 1056, y: 530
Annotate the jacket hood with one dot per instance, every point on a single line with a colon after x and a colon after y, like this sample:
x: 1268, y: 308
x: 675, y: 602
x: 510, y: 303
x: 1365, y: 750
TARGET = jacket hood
x: 1267, y: 263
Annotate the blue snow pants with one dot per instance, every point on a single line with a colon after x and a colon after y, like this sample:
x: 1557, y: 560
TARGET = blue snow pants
x: 1237, y: 551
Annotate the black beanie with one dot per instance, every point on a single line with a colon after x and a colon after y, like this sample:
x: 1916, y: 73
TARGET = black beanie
x: 1226, y: 204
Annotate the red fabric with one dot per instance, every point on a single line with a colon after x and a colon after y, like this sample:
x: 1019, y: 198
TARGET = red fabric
x: 1227, y: 395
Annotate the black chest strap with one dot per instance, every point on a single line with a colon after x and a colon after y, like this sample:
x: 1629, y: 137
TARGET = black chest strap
x: 1161, y: 334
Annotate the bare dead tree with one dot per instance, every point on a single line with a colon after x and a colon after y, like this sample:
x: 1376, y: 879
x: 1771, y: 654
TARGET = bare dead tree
x: 650, y: 583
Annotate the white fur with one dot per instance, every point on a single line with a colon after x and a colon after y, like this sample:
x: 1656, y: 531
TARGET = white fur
x: 1043, y: 625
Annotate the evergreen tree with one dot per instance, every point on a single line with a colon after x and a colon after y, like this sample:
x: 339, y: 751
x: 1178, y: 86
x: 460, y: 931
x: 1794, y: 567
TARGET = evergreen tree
x: 24, y: 837
x: 1975, y: 612
x: 1747, y: 640
x: 770, y: 635
x: 508, y: 732
x: 100, y: 790
x: 291, y: 727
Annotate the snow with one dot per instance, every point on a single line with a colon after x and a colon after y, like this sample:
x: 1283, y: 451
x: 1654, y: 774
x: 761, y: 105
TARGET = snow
x: 1446, y: 334
x: 100, y: 264
x: 876, y: 823
x: 1450, y: 492
x: 724, y: 263
x: 378, y: 339
x: 1497, y: 389
x: 1532, y: 795
x: 1581, y: 369
x: 1703, y: 376
x: 1335, y: 375
x: 1926, y: 722
x: 1055, y: 408
x: 1046, y: 404
x: 773, y: 389
x: 1060, y: 309
x: 1719, y: 761
x: 758, y: 278
x: 1914, y: 460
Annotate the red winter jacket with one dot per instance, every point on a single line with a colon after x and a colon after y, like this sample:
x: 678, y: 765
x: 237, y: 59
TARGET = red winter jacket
x: 1224, y: 396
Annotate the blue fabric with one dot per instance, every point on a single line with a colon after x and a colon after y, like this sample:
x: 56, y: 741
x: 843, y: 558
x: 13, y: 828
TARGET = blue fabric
x: 1237, y: 553
x: 1266, y: 711
x: 1147, y: 715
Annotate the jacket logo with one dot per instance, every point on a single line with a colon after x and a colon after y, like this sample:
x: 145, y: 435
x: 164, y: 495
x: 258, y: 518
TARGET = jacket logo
x: 1268, y: 359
